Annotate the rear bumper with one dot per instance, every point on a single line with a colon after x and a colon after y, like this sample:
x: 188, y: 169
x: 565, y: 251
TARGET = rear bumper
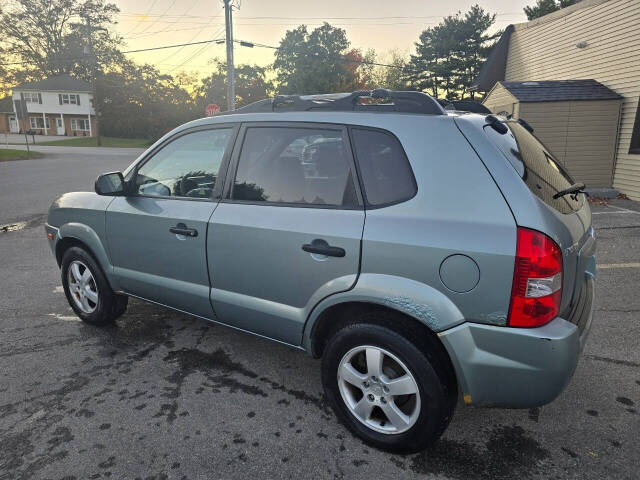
x: 515, y: 367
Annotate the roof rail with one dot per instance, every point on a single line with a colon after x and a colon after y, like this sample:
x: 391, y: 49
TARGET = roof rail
x: 463, y: 106
x: 378, y: 100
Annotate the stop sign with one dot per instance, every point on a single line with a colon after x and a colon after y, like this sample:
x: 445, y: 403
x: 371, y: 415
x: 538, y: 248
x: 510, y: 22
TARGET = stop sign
x: 212, y: 109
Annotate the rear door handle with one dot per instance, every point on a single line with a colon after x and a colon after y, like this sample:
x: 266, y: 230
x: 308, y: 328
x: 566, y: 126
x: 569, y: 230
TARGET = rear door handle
x: 321, y: 247
x: 181, y: 229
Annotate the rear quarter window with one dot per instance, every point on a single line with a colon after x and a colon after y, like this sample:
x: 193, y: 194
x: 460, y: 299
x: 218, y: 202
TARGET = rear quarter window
x: 384, y: 168
x: 537, y: 166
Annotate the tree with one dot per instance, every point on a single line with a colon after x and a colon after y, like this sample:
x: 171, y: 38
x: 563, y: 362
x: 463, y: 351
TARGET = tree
x: 140, y: 102
x: 449, y: 56
x: 544, y: 7
x: 251, y: 85
x: 48, y: 37
x: 475, y: 44
x: 392, y: 77
x: 317, y: 62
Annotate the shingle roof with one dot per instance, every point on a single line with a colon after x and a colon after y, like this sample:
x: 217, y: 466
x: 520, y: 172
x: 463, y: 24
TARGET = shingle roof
x: 6, y: 105
x: 559, y: 90
x: 60, y: 83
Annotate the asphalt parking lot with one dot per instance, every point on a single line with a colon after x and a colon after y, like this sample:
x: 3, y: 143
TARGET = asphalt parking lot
x: 161, y: 395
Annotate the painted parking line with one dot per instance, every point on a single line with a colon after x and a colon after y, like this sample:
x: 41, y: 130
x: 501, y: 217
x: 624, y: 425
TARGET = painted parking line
x: 626, y: 212
x: 619, y: 208
x: 618, y: 211
x: 64, y: 318
x: 619, y: 265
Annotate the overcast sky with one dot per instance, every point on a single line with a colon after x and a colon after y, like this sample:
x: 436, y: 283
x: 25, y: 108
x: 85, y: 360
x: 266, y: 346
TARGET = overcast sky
x: 378, y: 24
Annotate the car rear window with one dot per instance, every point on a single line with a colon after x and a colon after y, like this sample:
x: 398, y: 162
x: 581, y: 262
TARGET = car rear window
x: 537, y: 166
x: 384, y: 168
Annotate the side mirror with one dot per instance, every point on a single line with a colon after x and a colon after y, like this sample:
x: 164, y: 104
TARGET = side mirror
x: 111, y: 184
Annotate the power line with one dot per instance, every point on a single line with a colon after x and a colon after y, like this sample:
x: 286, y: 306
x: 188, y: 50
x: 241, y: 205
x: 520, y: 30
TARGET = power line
x: 173, y: 54
x: 178, y: 22
x: 171, y: 46
x: 243, y: 43
x: 337, y: 57
x: 136, y: 37
x: 130, y: 51
x: 135, y: 27
x: 393, y: 17
x: 195, y: 55
x: 162, y: 15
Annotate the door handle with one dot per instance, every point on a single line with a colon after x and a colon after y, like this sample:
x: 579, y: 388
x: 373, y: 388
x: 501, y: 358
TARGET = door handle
x: 181, y: 229
x: 321, y: 247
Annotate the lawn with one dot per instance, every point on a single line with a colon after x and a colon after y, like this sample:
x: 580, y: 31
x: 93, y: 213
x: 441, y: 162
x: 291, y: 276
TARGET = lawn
x: 106, y: 142
x: 8, y: 154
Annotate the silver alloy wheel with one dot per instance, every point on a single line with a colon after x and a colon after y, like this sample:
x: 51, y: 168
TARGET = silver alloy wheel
x: 379, y: 389
x: 82, y: 286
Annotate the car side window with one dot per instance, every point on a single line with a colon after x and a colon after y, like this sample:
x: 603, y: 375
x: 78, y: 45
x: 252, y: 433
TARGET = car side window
x: 386, y: 174
x: 186, y: 167
x: 305, y: 166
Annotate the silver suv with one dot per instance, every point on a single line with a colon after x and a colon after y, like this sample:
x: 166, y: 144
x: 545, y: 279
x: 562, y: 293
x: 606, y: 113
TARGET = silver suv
x: 424, y: 255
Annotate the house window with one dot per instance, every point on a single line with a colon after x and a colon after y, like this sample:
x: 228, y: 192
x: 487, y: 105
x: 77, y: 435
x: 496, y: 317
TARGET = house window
x: 38, y: 122
x: 68, y: 99
x: 31, y: 97
x: 80, y: 124
x: 635, y: 135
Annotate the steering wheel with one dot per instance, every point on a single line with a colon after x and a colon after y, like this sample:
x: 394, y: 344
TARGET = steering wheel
x: 200, y: 192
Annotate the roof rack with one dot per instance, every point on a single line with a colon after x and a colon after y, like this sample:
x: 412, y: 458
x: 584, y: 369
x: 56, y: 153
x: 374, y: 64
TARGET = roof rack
x: 378, y: 100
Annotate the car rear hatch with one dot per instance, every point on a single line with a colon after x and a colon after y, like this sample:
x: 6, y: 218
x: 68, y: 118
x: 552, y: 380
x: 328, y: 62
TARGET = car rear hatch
x: 566, y: 219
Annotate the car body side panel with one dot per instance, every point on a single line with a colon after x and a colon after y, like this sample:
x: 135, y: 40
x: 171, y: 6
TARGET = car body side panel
x: 458, y: 210
x: 569, y: 231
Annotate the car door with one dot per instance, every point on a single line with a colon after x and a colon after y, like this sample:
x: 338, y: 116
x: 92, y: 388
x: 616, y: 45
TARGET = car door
x: 288, y: 230
x: 157, y: 233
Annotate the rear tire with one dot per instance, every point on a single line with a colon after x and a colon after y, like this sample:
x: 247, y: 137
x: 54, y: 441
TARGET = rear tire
x: 87, y: 289
x: 368, y: 404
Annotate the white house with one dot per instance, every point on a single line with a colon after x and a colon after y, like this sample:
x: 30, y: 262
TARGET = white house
x: 61, y: 105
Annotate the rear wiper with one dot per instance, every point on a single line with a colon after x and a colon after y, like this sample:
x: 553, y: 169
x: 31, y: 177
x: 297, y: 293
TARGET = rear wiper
x: 572, y: 190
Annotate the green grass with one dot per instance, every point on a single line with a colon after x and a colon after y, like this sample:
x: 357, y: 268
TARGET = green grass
x: 106, y: 142
x: 8, y: 154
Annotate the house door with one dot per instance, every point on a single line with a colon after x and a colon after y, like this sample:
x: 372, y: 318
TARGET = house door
x: 13, y: 125
x: 60, y: 126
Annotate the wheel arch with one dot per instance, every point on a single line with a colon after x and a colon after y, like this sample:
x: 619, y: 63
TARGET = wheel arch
x: 83, y: 236
x: 422, y: 304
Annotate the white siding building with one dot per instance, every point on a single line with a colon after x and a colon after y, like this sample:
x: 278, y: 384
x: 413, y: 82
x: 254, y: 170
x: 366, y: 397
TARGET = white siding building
x: 593, y: 39
x: 61, y: 105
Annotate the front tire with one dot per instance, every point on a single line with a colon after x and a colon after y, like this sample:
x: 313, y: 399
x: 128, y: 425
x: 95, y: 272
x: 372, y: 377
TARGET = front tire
x: 87, y: 289
x: 385, y: 389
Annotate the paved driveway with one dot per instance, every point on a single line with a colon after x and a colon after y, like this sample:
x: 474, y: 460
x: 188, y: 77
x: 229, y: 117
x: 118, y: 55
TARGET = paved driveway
x: 18, y: 138
x: 27, y: 187
x: 165, y: 396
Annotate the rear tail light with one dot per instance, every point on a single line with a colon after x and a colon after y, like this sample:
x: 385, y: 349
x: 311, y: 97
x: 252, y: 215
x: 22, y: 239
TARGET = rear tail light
x: 537, y: 280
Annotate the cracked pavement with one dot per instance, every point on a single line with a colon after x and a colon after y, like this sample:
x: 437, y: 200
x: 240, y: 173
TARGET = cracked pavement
x: 161, y: 395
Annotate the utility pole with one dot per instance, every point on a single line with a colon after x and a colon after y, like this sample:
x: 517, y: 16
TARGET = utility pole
x: 23, y: 113
x: 231, y: 81
x: 94, y: 68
